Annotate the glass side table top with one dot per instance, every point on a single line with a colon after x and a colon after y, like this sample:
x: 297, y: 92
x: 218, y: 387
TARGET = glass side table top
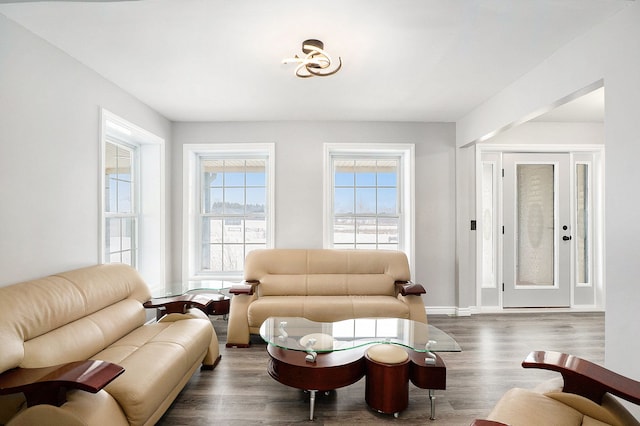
x: 301, y: 334
x: 201, y: 286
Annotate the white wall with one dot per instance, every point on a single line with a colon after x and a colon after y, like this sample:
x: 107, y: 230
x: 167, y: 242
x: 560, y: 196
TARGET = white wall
x: 537, y: 133
x: 299, y: 174
x: 611, y: 52
x: 49, y: 145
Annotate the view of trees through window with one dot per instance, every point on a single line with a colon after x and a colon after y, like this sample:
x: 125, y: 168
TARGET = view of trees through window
x: 233, y: 212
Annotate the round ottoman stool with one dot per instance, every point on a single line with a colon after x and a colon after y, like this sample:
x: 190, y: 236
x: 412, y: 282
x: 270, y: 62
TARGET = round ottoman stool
x: 387, y: 380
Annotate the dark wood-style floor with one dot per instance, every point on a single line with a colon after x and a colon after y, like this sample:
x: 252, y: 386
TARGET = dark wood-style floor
x: 239, y: 391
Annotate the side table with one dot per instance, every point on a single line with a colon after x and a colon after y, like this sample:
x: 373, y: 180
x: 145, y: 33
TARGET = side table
x: 209, y: 303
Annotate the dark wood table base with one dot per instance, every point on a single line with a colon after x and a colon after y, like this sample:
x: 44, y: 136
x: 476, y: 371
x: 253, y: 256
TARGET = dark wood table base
x: 333, y: 370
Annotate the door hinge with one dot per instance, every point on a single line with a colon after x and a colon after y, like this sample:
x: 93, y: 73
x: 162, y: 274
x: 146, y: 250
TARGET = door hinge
x: 502, y: 229
x: 502, y: 286
x: 502, y: 172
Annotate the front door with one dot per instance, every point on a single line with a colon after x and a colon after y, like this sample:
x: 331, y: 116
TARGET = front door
x: 537, y: 230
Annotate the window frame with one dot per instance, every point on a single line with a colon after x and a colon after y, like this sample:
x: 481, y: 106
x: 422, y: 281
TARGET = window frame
x: 193, y: 154
x: 405, y: 153
x: 149, y: 197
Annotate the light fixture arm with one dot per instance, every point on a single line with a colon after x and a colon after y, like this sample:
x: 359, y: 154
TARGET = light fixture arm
x: 317, y: 62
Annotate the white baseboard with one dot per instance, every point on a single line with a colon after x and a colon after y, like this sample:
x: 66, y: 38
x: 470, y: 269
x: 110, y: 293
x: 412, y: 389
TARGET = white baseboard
x: 448, y: 310
x: 474, y: 310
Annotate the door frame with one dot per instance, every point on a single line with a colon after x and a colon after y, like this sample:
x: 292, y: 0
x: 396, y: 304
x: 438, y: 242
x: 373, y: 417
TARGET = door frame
x: 575, y: 150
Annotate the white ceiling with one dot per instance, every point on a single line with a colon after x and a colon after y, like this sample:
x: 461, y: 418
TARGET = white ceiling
x: 220, y: 60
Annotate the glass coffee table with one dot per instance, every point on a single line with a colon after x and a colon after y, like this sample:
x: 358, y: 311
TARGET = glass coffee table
x: 322, y: 356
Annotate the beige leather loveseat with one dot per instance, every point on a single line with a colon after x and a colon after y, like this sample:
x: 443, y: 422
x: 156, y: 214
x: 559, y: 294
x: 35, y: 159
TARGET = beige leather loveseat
x: 584, y: 395
x: 322, y: 285
x: 96, y: 313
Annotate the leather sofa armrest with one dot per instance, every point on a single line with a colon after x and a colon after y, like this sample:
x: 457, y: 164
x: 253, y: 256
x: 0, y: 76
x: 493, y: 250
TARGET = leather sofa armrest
x: 48, y: 385
x: 182, y: 303
x: 585, y: 378
x: 246, y: 287
x: 408, y: 288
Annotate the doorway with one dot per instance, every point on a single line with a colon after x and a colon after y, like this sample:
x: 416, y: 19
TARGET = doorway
x: 540, y: 227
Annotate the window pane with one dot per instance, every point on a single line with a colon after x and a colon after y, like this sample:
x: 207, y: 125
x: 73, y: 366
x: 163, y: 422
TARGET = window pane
x: 366, y: 231
x: 127, y: 233
x: 233, y: 231
x: 118, y: 181
x: 387, y: 201
x: 124, y: 194
x: 256, y: 172
x: 365, y: 200
x: 233, y: 257
x: 366, y: 173
x: 344, y: 231
x: 127, y: 257
x: 344, y: 173
x: 256, y: 231
x: 343, y: 201
x: 212, y: 172
x: 211, y: 230
x: 489, y: 279
x: 256, y: 200
x: 212, y: 257
x: 388, y: 230
x: 582, y: 223
x: 212, y: 201
x: 111, y: 194
x: 120, y: 238
x: 112, y: 233
x: 234, y: 201
x: 389, y: 178
x: 233, y: 179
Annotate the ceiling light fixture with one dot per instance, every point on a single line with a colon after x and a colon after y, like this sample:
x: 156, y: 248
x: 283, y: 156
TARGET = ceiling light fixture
x: 316, y: 63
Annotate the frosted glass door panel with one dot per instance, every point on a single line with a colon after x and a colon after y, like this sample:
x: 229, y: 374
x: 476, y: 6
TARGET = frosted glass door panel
x: 537, y: 230
x: 535, y: 224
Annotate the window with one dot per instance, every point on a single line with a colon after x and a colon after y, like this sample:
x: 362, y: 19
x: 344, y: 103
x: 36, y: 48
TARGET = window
x: 369, y: 200
x: 230, y: 205
x: 121, y: 210
x: 132, y: 223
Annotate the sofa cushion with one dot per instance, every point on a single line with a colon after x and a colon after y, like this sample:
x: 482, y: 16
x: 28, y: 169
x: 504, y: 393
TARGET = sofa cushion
x: 325, y: 309
x: 326, y: 285
x: 156, y: 357
x: 83, y: 338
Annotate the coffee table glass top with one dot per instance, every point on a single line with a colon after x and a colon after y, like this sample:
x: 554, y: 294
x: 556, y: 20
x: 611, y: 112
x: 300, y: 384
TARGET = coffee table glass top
x: 301, y: 334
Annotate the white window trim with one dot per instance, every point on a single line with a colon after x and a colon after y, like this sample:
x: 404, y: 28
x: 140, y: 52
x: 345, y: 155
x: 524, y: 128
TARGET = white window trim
x: 406, y: 152
x: 152, y: 206
x: 190, y: 192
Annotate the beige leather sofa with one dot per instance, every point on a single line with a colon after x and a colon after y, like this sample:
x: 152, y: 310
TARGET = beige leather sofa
x: 97, y: 313
x: 584, y: 395
x: 322, y: 285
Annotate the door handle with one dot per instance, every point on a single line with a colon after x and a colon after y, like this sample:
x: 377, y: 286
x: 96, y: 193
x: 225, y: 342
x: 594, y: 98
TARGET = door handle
x: 565, y: 238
